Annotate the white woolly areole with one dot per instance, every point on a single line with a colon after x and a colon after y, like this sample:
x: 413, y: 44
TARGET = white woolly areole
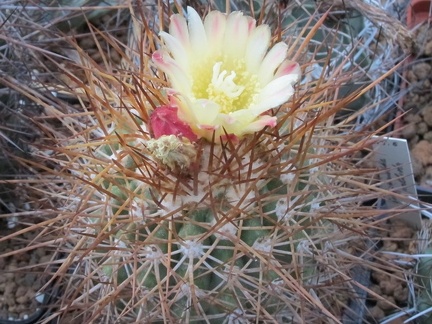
x: 201, y: 193
x: 241, y: 192
x: 304, y: 247
x: 277, y: 286
x: 192, y: 249
x: 171, y: 204
x: 153, y: 252
x: 226, y: 231
x: 186, y: 291
x: 236, y: 317
x: 281, y: 209
x: 138, y: 206
x: 288, y: 176
x: 263, y: 244
x: 314, y: 206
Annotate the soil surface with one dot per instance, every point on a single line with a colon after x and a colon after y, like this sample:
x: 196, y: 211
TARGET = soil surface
x: 390, y: 289
x: 22, y: 275
x: 417, y: 105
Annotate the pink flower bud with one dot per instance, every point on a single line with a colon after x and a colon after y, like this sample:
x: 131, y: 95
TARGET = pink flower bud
x: 164, y: 121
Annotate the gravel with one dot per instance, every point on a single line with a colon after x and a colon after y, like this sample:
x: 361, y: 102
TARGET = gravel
x: 417, y: 122
x: 22, y: 276
x: 391, y: 287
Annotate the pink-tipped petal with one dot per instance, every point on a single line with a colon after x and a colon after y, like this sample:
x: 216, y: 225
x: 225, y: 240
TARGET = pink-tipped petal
x: 215, y: 25
x: 178, y: 77
x: 260, y: 123
x: 257, y: 46
x: 235, y: 122
x: 208, y: 127
x: 178, y: 28
x: 288, y: 67
x: 246, y: 122
x: 197, y: 33
x: 164, y: 121
x: 251, y: 24
x: 235, y: 40
x: 229, y: 138
x: 271, y: 62
x: 177, y: 50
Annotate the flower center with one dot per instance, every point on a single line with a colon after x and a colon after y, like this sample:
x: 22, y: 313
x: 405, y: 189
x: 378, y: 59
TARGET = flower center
x: 228, y: 84
x: 223, y: 87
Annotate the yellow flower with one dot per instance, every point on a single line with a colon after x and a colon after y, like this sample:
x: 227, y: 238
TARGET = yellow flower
x: 222, y: 74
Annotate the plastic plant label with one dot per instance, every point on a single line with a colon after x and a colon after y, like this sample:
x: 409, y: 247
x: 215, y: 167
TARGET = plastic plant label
x: 392, y: 157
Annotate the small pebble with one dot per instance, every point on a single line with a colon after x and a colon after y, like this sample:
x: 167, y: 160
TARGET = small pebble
x: 412, y: 118
x: 427, y: 115
x: 387, y: 304
x: 422, y: 128
x: 409, y: 131
x: 428, y: 49
x: 376, y: 313
x: 422, y: 70
x: 400, y: 294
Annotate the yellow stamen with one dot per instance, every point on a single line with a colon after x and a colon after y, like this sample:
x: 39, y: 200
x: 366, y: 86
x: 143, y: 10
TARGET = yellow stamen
x: 231, y: 86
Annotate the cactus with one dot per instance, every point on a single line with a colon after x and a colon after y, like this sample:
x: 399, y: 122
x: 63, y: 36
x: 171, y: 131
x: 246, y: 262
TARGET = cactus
x: 423, y: 302
x: 164, y: 220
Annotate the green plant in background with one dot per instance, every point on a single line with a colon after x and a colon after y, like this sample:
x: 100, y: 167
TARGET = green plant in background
x: 196, y: 183
x: 423, y: 300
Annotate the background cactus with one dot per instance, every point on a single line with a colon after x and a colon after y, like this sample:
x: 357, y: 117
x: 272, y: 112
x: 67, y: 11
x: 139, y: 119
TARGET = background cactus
x: 423, y: 300
x: 268, y: 227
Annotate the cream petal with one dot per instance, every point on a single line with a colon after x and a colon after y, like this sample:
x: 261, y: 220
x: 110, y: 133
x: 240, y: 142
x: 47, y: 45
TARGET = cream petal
x: 237, y: 33
x: 288, y: 67
x: 197, y: 33
x: 178, y: 29
x: 206, y: 112
x: 215, y: 24
x: 260, y: 123
x: 185, y: 107
x: 257, y: 46
x: 244, y: 122
x: 271, y: 62
x: 275, y: 93
x: 176, y: 49
x: 178, y: 77
x: 251, y: 24
x: 243, y: 115
x: 235, y: 122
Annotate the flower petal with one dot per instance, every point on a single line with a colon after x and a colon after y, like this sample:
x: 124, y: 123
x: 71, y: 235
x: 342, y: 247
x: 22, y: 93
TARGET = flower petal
x: 257, y: 46
x: 177, y: 50
x: 235, y: 122
x: 164, y: 121
x: 197, y: 33
x: 243, y: 122
x: 206, y: 112
x: 215, y: 25
x: 178, y: 77
x: 260, y: 123
x: 271, y: 62
x: 238, y: 29
x: 178, y: 28
x: 288, y: 67
x: 275, y: 93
